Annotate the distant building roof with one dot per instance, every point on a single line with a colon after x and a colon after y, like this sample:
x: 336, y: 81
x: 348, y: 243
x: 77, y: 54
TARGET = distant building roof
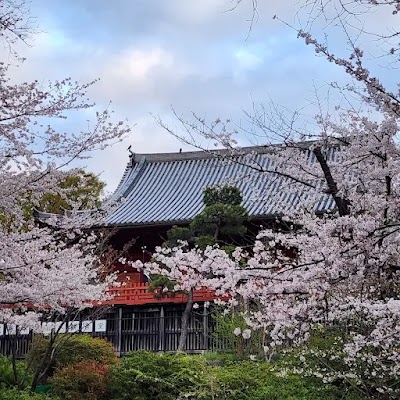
x: 164, y: 189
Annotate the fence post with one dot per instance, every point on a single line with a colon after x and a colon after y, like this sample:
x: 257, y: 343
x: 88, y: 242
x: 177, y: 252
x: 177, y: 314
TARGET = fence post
x: 205, y: 327
x: 119, y: 332
x: 161, y: 330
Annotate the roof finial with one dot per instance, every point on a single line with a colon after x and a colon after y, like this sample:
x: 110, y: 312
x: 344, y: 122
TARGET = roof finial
x: 131, y: 154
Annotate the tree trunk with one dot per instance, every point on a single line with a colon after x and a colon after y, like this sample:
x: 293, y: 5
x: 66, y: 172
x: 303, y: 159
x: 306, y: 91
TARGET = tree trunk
x: 341, y: 203
x: 14, y: 361
x: 185, y: 322
x: 44, y: 364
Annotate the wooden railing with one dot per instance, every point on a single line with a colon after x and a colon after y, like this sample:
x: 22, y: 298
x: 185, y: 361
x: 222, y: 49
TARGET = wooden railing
x: 138, y: 294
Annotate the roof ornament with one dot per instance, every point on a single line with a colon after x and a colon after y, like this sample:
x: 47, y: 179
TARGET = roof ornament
x: 131, y: 154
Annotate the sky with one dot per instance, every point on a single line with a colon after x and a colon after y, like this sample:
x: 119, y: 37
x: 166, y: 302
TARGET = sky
x: 192, y: 55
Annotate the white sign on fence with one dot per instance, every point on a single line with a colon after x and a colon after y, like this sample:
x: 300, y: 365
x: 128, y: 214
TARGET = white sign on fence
x: 11, y: 329
x: 24, y: 331
x: 47, y: 327
x: 87, y: 326
x: 100, y: 325
x: 61, y: 327
x: 73, y: 326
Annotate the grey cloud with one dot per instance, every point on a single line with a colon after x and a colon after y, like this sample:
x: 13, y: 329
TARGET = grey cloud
x: 123, y: 22
x: 151, y: 54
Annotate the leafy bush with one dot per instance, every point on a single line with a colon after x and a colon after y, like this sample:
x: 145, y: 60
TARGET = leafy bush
x: 14, y: 394
x: 142, y: 375
x: 72, y: 349
x: 7, y: 378
x: 323, y: 355
x: 148, y: 376
x: 216, y: 358
x: 225, y: 325
x: 86, y: 380
x: 249, y: 380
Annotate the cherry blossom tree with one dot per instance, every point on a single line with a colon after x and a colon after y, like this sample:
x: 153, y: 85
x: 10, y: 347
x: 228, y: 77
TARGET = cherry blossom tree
x: 176, y: 268
x: 52, y: 265
x: 336, y: 271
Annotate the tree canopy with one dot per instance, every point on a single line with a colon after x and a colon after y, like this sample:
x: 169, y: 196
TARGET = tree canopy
x: 79, y: 189
x: 343, y: 280
x: 221, y: 221
x: 43, y: 268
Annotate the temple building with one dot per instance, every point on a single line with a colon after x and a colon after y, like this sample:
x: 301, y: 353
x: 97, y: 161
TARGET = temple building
x: 158, y: 191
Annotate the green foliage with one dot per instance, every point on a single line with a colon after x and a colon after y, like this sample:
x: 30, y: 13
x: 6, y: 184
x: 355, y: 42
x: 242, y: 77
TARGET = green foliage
x: 72, y: 349
x: 176, y: 234
x: 205, y: 240
x: 249, y: 380
x: 150, y: 376
x: 324, y: 353
x: 145, y: 376
x: 7, y: 378
x: 86, y: 380
x: 220, y: 219
x: 225, y: 324
x: 81, y: 187
x: 158, y: 283
x: 14, y: 394
x: 220, y: 358
x: 142, y: 375
x: 222, y: 216
x: 222, y: 195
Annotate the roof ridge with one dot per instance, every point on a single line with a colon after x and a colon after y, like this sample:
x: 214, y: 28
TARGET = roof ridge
x: 200, y: 154
x: 205, y: 153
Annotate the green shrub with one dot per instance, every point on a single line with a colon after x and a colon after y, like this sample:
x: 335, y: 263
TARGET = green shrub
x: 224, y: 336
x: 86, y: 380
x: 249, y: 380
x: 72, y: 349
x: 7, y: 378
x: 148, y: 376
x: 142, y: 375
x: 229, y: 382
x: 322, y: 355
x: 222, y: 358
x: 14, y: 394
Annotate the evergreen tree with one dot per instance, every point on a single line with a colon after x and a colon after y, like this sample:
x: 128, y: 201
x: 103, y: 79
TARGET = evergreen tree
x: 222, y: 220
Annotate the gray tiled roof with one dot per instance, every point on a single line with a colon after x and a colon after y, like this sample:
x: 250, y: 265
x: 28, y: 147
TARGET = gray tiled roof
x: 168, y: 188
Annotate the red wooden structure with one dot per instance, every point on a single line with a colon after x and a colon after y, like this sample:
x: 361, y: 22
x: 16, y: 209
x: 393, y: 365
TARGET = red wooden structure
x: 133, y: 291
x: 138, y: 294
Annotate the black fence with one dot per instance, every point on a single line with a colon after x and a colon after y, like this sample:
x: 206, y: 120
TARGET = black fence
x: 128, y: 329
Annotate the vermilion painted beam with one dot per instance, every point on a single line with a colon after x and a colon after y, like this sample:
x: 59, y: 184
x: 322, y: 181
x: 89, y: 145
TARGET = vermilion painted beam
x: 138, y: 294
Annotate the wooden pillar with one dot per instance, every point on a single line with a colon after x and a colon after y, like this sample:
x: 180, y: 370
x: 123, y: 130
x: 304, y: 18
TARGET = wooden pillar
x: 205, y: 327
x: 118, y: 332
x: 161, y: 331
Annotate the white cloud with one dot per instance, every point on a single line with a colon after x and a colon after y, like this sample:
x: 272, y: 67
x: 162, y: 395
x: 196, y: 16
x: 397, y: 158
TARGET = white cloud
x: 146, y: 137
x: 150, y: 54
x: 247, y: 60
x: 137, y: 64
x: 197, y: 11
x: 139, y: 76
